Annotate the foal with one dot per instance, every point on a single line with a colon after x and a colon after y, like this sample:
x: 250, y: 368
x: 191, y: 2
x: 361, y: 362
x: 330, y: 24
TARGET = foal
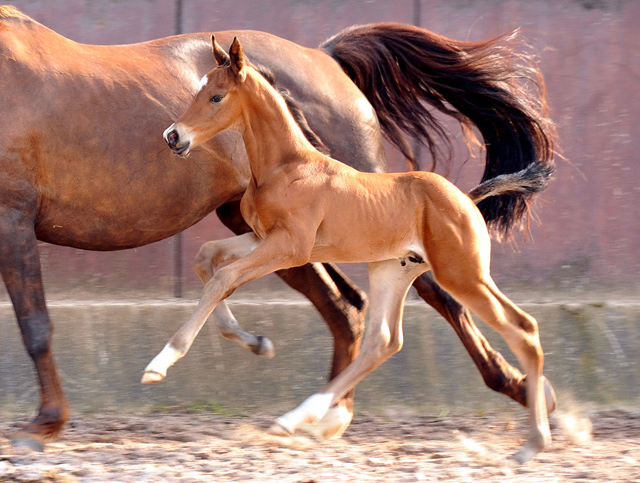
x: 306, y: 207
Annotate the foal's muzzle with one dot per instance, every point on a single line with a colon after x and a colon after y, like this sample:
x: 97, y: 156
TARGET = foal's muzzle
x: 172, y: 138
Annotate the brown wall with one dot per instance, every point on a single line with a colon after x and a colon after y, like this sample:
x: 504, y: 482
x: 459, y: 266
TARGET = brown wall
x: 589, y: 50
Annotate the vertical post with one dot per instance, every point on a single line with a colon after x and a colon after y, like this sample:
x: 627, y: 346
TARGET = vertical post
x: 177, y: 265
x: 417, y: 12
x: 177, y: 238
x: 177, y: 28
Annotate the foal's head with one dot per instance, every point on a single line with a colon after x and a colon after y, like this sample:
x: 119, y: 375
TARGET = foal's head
x: 217, y: 105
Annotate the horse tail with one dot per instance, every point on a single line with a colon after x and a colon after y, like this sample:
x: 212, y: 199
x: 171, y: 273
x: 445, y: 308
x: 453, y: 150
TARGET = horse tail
x: 406, y: 71
x: 528, y: 181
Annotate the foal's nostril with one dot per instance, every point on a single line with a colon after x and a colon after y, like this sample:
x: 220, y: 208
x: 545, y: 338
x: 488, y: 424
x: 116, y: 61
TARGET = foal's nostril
x: 172, y: 138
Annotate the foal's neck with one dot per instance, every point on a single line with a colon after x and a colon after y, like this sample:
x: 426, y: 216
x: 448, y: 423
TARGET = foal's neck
x: 271, y: 135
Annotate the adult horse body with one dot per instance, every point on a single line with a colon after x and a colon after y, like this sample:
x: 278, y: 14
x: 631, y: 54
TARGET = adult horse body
x: 82, y: 165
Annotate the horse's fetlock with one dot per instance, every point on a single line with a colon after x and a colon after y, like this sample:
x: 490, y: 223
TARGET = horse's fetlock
x: 52, y: 416
x: 178, y: 345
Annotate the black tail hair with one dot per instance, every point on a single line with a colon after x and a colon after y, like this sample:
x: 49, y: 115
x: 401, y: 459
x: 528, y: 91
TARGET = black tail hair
x: 405, y: 70
x: 529, y: 181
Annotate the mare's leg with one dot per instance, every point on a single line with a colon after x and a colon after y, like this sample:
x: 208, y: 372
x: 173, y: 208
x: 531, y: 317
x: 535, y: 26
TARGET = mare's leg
x: 212, y: 254
x: 20, y: 269
x: 282, y: 248
x: 389, y: 282
x: 469, y: 282
x: 497, y: 373
x: 341, y: 304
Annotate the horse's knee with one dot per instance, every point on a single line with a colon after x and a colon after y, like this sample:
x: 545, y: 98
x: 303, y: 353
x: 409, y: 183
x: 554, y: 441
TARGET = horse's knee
x: 37, y: 332
x: 204, y: 255
x: 203, y: 263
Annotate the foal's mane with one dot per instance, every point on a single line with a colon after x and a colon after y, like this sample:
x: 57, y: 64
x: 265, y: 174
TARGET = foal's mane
x: 294, y: 109
x: 292, y: 105
x: 7, y: 11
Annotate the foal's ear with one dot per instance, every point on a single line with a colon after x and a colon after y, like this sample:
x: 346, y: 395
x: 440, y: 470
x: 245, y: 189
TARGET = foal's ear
x: 218, y: 53
x: 238, y: 60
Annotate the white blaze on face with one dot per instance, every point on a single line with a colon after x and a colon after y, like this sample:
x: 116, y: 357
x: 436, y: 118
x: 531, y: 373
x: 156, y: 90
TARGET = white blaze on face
x: 203, y: 82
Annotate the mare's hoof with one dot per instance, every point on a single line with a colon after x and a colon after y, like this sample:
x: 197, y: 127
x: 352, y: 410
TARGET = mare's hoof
x: 151, y: 377
x: 27, y: 443
x: 265, y: 347
x: 277, y: 429
x: 549, y: 395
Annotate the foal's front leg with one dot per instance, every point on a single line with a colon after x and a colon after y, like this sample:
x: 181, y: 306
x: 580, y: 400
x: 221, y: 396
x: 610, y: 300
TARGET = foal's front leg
x: 341, y: 304
x: 277, y: 251
x: 209, y: 257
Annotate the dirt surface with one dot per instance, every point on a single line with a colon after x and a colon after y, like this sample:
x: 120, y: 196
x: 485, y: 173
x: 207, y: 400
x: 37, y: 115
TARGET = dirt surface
x: 199, y: 446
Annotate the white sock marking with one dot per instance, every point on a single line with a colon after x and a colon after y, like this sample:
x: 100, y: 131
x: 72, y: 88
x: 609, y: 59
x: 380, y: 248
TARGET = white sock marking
x: 164, y: 360
x: 309, y: 412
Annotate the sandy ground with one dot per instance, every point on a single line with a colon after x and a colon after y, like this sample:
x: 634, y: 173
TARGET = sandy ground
x: 185, y: 446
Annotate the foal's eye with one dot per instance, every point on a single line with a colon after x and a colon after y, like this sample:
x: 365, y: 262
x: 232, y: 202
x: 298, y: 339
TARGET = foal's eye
x: 216, y: 98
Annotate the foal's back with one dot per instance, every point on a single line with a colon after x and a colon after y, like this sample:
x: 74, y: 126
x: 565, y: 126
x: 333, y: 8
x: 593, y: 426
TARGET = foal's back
x: 376, y: 216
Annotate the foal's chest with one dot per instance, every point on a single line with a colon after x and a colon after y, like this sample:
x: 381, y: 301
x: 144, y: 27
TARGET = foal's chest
x: 264, y: 206
x: 249, y: 213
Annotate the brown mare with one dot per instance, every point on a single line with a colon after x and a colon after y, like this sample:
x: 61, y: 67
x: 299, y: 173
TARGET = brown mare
x: 82, y: 165
x: 305, y: 207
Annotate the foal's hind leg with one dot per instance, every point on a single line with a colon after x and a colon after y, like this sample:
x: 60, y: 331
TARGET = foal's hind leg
x: 475, y: 289
x: 212, y: 254
x: 390, y: 280
x: 496, y: 372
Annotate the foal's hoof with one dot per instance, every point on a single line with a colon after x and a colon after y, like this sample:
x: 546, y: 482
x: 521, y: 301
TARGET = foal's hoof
x: 526, y: 453
x: 20, y: 443
x: 264, y: 347
x: 151, y: 377
x: 277, y: 429
x: 332, y: 425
